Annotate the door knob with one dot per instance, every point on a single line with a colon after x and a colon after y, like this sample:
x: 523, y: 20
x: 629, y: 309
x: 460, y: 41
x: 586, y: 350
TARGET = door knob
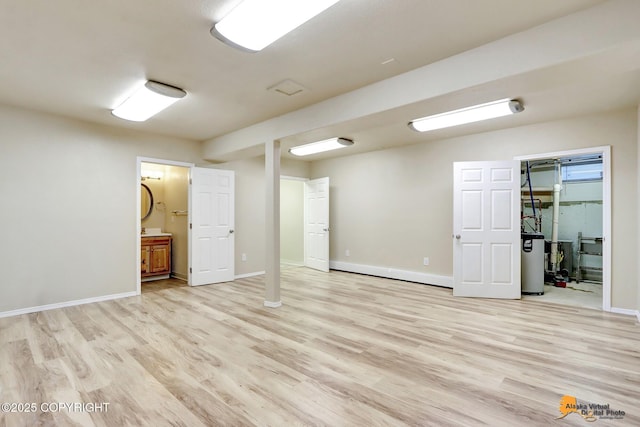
x: 231, y: 231
x: 457, y: 236
x: 325, y: 229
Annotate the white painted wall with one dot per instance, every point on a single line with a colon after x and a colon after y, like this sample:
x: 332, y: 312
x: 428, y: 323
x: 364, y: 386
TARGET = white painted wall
x: 176, y: 198
x: 393, y: 207
x: 68, y: 192
x: 157, y: 217
x: 292, y: 221
x: 250, y: 208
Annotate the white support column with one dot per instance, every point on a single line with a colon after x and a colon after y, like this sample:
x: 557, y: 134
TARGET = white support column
x: 272, y: 196
x: 638, y: 210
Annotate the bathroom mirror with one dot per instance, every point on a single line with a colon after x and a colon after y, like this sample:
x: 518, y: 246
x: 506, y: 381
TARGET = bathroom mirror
x: 146, y: 202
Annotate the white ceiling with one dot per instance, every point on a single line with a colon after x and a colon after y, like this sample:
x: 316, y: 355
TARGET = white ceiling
x: 80, y: 58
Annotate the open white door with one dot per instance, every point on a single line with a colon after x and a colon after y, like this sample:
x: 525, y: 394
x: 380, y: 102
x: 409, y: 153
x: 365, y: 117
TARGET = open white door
x: 212, y: 226
x: 486, y: 229
x: 316, y: 224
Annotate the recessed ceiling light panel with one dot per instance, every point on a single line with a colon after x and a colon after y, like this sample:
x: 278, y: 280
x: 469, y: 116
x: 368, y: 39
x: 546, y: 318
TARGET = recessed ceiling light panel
x: 147, y: 101
x: 255, y: 24
x: 320, y: 146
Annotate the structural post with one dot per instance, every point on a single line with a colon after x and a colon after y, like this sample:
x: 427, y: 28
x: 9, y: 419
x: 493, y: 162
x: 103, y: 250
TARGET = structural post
x: 272, y: 223
x: 608, y: 245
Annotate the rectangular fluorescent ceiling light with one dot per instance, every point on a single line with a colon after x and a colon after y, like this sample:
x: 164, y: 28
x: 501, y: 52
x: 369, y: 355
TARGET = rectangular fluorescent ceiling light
x: 147, y: 101
x: 477, y: 113
x: 255, y: 24
x: 320, y: 146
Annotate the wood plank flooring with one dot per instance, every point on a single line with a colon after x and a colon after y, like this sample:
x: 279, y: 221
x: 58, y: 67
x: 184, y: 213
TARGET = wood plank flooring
x: 343, y: 350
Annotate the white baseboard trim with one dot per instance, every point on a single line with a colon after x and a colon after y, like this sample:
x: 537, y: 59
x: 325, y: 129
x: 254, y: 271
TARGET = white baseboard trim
x: 292, y: 263
x: 393, y: 273
x: 65, y: 304
x: 244, y: 276
x: 626, y: 311
x: 273, y: 304
x: 180, y: 276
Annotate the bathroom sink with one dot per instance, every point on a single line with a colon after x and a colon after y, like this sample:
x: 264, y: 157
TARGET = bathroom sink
x: 153, y: 232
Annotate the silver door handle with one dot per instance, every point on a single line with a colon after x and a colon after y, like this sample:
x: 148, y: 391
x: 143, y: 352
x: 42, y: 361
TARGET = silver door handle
x: 457, y: 236
x: 325, y: 229
x: 232, y: 231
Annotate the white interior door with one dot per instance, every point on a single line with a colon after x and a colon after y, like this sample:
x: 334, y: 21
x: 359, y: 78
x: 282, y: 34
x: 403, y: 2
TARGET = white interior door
x: 212, y: 240
x: 316, y: 224
x: 486, y: 229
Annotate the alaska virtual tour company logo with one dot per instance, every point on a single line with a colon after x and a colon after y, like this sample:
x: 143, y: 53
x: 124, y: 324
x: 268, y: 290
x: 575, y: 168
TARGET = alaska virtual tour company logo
x: 588, y: 411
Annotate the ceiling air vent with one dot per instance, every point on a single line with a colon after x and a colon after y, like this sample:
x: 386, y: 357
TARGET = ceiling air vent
x: 287, y: 87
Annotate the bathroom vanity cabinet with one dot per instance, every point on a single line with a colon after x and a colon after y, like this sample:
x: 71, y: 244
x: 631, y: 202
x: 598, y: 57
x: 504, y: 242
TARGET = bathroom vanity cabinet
x: 155, y: 257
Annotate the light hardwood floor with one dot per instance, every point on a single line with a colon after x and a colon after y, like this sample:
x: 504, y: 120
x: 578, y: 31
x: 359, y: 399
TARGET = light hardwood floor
x: 162, y: 284
x: 343, y: 350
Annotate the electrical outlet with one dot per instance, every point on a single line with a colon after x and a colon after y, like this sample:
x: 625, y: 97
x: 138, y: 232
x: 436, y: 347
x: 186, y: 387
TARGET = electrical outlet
x: 347, y: 252
x: 244, y: 257
x: 425, y: 261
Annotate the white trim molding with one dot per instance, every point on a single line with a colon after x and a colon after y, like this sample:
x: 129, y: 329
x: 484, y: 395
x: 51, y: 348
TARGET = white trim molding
x: 246, y: 275
x: 291, y: 263
x: 626, y: 311
x: 179, y: 276
x: 273, y: 304
x: 393, y: 273
x: 293, y: 178
x: 66, y: 304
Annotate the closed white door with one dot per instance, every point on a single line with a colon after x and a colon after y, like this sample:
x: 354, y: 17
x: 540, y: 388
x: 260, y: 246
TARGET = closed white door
x: 212, y: 240
x: 316, y: 224
x: 486, y: 229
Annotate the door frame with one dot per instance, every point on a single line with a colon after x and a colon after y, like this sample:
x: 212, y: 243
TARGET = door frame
x: 605, y: 152
x: 139, y: 161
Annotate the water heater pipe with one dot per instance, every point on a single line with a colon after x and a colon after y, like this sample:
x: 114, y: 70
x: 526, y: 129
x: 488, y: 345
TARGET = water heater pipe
x: 556, y: 215
x: 533, y: 205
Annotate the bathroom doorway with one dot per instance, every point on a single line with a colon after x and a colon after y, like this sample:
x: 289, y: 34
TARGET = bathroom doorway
x: 163, y: 220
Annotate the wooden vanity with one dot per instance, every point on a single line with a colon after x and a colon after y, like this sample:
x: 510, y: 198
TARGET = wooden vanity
x: 155, y: 257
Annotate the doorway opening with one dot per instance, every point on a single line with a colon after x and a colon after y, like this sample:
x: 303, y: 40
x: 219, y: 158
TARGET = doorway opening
x: 162, y: 223
x: 292, y: 221
x: 566, y: 199
x: 304, y: 222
